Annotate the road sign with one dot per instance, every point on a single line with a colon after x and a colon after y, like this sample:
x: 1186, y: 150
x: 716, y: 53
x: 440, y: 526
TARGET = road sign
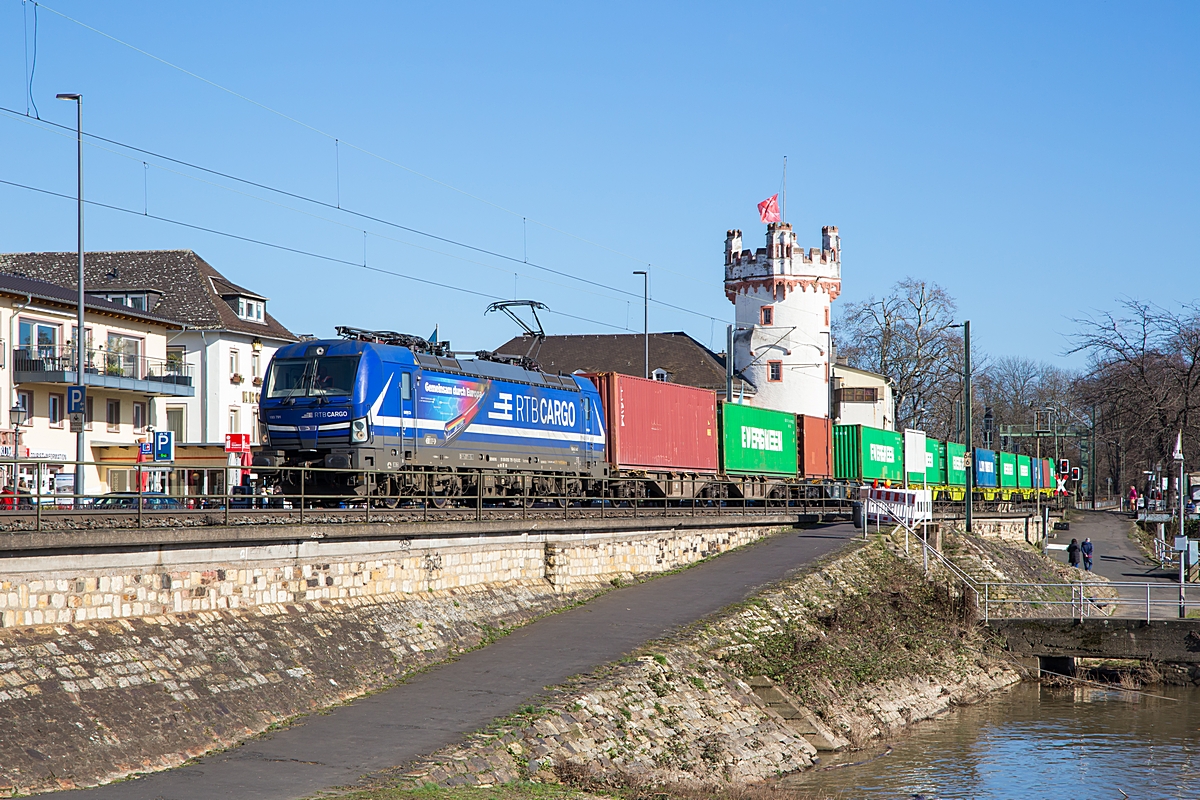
x: 145, y: 451
x: 76, y: 400
x: 237, y: 443
x: 76, y: 423
x: 164, y: 445
x: 1062, y: 485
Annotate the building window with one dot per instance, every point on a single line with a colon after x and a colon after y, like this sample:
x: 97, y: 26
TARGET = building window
x: 139, y: 417
x: 857, y: 394
x: 135, y: 301
x: 175, y: 360
x: 251, y: 310
x: 38, y: 339
x: 235, y: 420
x: 176, y: 422
x: 766, y: 315
x: 25, y: 401
x: 774, y: 371
x: 660, y: 374
x: 255, y: 365
x: 123, y: 356
x: 826, y: 316
x: 88, y: 412
x: 235, y: 362
x: 255, y: 426
x: 54, y: 411
x: 113, y: 416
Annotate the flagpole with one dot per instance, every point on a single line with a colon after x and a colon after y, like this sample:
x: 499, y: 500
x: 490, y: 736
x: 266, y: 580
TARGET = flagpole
x: 783, y: 213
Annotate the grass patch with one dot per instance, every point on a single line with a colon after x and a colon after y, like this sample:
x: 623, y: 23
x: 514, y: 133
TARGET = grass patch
x: 897, y: 624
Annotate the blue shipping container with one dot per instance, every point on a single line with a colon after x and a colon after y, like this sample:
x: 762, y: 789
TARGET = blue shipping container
x: 1035, y: 471
x: 985, y: 468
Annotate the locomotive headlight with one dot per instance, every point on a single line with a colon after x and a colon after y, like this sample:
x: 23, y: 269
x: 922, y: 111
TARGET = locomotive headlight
x: 359, y: 430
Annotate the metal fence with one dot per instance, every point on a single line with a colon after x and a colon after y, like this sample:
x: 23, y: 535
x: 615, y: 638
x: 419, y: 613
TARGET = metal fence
x: 109, y: 363
x: 151, y: 501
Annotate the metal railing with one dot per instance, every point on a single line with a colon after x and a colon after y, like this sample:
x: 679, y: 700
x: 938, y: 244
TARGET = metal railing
x: 1132, y: 600
x: 59, y: 359
x: 282, y: 495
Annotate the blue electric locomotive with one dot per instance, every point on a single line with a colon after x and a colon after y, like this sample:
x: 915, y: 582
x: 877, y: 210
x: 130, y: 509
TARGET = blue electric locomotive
x: 394, y: 416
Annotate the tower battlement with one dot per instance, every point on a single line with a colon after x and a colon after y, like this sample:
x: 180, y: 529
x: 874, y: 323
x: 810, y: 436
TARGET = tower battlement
x: 782, y: 264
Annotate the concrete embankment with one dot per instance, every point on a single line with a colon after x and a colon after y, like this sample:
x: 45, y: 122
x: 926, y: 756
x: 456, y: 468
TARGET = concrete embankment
x: 853, y: 650
x: 123, y: 661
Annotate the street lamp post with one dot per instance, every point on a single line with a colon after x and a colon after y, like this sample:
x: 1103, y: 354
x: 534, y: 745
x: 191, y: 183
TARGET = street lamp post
x: 81, y: 334
x: 645, y: 316
x: 1177, y: 456
x: 17, y: 416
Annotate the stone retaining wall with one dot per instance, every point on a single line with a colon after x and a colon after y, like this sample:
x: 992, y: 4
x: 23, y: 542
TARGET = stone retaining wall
x: 140, y: 661
x: 40, y: 590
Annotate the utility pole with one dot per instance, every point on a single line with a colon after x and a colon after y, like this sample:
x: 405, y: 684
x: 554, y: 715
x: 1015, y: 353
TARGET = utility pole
x: 967, y: 403
x: 970, y: 452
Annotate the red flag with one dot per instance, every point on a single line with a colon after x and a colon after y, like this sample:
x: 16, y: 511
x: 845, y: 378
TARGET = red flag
x: 768, y: 209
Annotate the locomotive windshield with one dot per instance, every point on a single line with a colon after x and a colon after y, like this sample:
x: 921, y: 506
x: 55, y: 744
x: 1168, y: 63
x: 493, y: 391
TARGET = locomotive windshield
x: 320, y: 376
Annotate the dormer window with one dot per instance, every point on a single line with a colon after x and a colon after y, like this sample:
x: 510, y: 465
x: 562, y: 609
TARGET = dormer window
x: 251, y: 310
x: 136, y: 301
x: 660, y: 374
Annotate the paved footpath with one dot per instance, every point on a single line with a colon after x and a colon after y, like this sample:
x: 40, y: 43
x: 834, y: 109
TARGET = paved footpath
x: 438, y: 707
x: 1119, y: 559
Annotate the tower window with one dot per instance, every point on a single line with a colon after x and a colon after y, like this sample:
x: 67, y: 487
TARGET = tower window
x: 774, y: 371
x: 766, y: 315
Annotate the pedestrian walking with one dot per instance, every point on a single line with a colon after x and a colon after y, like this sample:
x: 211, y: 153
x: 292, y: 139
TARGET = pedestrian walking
x: 1073, y: 553
x: 1133, y: 495
x: 1085, y: 550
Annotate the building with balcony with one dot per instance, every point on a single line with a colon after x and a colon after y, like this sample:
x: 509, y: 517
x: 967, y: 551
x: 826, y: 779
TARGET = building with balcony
x: 129, y: 378
x: 225, y: 340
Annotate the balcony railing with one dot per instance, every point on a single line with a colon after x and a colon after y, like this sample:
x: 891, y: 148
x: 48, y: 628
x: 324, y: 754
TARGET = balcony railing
x: 61, y: 359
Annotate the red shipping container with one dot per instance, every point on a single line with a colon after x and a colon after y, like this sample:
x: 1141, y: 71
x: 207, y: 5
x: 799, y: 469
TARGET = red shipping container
x: 658, y: 425
x: 816, y: 454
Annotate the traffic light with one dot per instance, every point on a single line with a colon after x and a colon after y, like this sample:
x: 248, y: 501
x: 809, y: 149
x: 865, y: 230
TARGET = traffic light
x: 1064, y: 466
x: 1074, y: 473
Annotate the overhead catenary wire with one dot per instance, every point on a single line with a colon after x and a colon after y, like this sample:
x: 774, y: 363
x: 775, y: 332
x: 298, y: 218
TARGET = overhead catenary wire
x: 69, y: 133
x: 288, y: 249
x: 358, y: 214
x: 326, y: 134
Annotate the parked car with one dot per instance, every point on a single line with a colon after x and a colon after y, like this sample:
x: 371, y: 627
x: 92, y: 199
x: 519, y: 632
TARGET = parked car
x: 151, y: 501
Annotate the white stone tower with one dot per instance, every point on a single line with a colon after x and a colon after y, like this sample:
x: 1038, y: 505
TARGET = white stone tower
x: 782, y: 297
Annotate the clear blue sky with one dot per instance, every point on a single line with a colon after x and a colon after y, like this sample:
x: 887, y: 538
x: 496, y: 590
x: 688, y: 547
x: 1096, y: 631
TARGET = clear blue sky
x: 1038, y: 160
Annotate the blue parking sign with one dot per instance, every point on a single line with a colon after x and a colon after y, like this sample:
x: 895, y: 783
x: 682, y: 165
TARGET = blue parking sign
x: 76, y: 400
x: 164, y: 445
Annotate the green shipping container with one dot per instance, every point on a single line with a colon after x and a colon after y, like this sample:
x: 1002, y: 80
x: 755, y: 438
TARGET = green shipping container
x: 757, y: 441
x: 1024, y: 472
x: 935, y: 462
x: 867, y: 454
x: 956, y: 464
x: 1008, y: 470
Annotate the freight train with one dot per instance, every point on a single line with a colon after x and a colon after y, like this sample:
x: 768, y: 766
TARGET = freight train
x: 396, y: 418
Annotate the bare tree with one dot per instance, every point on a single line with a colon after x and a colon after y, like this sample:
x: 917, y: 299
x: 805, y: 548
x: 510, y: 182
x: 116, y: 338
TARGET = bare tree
x: 1144, y: 380
x: 906, y: 336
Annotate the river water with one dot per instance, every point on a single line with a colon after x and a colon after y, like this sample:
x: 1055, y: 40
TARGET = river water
x: 1032, y: 742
